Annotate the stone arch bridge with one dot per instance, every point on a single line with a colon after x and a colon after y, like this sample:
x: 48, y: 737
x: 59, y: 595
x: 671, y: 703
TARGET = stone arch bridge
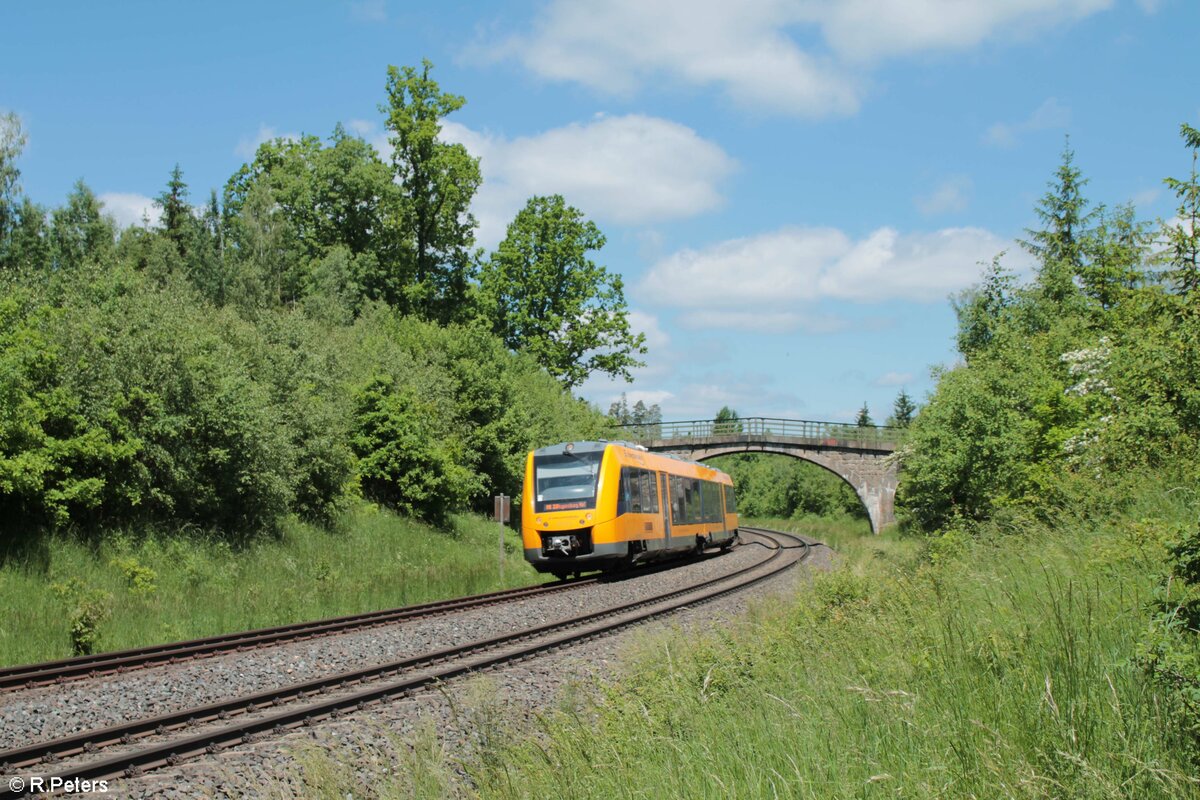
x: 864, y: 457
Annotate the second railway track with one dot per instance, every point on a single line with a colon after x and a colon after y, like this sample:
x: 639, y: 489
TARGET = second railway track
x: 218, y: 725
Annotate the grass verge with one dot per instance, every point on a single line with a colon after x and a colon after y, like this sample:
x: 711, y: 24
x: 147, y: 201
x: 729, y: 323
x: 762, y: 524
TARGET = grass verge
x: 134, y: 589
x: 999, y: 665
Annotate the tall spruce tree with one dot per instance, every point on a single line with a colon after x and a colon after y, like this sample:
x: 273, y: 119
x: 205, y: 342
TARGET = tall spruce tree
x: 903, y: 410
x: 1059, y: 244
x: 864, y: 417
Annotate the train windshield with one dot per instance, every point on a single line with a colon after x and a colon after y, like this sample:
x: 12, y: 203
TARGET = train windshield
x: 566, y: 482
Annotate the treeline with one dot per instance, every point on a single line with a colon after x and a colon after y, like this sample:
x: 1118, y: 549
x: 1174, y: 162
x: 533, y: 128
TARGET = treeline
x: 323, y: 330
x: 1070, y: 383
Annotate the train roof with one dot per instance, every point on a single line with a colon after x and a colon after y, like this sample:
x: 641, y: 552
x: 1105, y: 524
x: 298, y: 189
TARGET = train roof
x: 601, y: 444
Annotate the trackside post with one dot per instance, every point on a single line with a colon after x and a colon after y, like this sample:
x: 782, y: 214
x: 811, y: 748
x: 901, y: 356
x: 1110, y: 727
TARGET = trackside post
x: 502, y: 505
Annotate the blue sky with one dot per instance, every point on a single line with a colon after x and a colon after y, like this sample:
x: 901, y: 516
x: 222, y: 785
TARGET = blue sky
x: 791, y: 188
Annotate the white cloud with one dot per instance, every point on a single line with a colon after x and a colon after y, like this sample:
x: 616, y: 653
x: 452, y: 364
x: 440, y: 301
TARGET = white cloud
x: 1050, y: 115
x: 128, y: 208
x: 894, y: 379
x: 369, y: 11
x: 869, y: 30
x: 951, y: 196
x: 1145, y: 197
x: 773, y: 281
x: 751, y: 49
x: 656, y: 338
x: 248, y: 146
x: 629, y: 170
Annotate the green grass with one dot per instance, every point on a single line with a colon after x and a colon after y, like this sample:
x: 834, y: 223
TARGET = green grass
x: 1001, y: 666
x: 153, y: 587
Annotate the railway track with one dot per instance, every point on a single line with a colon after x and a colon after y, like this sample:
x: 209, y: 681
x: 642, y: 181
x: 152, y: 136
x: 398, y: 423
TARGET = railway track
x: 213, y: 727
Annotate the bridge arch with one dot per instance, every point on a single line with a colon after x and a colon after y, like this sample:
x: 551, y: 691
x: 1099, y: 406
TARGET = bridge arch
x: 873, y: 481
x: 863, y: 456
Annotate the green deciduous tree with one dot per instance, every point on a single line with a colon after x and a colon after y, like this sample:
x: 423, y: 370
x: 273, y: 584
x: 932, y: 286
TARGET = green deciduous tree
x: 542, y: 294
x: 982, y: 308
x: 727, y: 421
x: 402, y: 462
x: 12, y: 143
x: 437, y: 181
x: 79, y: 232
x: 1184, y: 234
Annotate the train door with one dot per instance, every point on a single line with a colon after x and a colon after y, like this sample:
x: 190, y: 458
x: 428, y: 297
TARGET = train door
x: 664, y: 495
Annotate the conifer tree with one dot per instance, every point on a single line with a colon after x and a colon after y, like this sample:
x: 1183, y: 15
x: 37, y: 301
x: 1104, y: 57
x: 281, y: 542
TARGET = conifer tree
x: 1059, y: 245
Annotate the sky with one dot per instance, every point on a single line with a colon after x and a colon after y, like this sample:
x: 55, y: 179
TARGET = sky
x: 791, y: 190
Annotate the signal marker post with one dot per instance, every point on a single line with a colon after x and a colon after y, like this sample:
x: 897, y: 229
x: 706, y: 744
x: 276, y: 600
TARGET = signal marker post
x: 502, y: 505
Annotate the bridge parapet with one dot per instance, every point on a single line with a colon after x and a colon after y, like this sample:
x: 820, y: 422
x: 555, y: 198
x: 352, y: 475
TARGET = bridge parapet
x: 764, y: 430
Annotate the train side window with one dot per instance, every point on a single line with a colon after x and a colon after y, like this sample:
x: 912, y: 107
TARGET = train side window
x: 712, y: 501
x: 730, y: 500
x: 649, y: 493
x: 623, y: 492
x: 677, y: 500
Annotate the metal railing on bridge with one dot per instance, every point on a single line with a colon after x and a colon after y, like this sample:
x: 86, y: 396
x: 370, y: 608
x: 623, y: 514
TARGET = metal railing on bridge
x: 701, y: 430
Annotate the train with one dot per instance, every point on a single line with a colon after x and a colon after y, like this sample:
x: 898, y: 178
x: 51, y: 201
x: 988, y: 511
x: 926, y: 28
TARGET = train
x: 597, y: 505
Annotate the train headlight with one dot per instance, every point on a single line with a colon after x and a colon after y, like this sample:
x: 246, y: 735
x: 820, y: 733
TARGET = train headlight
x: 540, y: 522
x: 588, y: 516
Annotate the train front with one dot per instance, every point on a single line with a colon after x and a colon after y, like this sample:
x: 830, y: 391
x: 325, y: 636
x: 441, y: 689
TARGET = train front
x: 561, y: 506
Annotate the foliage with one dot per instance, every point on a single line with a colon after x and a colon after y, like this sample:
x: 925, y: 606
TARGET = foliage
x: 12, y: 143
x: 903, y: 411
x: 782, y: 487
x: 86, y: 609
x: 544, y: 295
x: 647, y: 420
x: 863, y: 420
x: 1170, y: 650
x: 1092, y: 368
x: 437, y: 180
x: 407, y: 460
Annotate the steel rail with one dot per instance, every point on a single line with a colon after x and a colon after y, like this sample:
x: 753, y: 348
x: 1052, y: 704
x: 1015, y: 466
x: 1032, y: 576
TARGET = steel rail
x: 168, y: 753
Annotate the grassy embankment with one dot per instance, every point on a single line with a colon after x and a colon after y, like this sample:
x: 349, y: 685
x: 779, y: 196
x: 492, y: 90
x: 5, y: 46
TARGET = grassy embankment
x: 999, y: 666
x: 137, y: 590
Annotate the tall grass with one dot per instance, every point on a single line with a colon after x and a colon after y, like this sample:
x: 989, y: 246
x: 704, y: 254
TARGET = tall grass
x: 999, y: 666
x: 152, y: 587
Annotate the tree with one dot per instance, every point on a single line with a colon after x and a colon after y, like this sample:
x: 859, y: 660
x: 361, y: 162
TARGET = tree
x: 903, y: 410
x: 79, y: 233
x: 177, y: 219
x: 544, y: 295
x: 12, y: 143
x: 1184, y: 236
x: 1116, y: 250
x: 1059, y: 244
x: 647, y: 419
x: 437, y: 181
x: 727, y: 421
x: 981, y: 309
x: 864, y: 417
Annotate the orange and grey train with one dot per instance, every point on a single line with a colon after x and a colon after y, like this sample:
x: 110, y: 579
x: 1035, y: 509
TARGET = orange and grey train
x: 599, y: 505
